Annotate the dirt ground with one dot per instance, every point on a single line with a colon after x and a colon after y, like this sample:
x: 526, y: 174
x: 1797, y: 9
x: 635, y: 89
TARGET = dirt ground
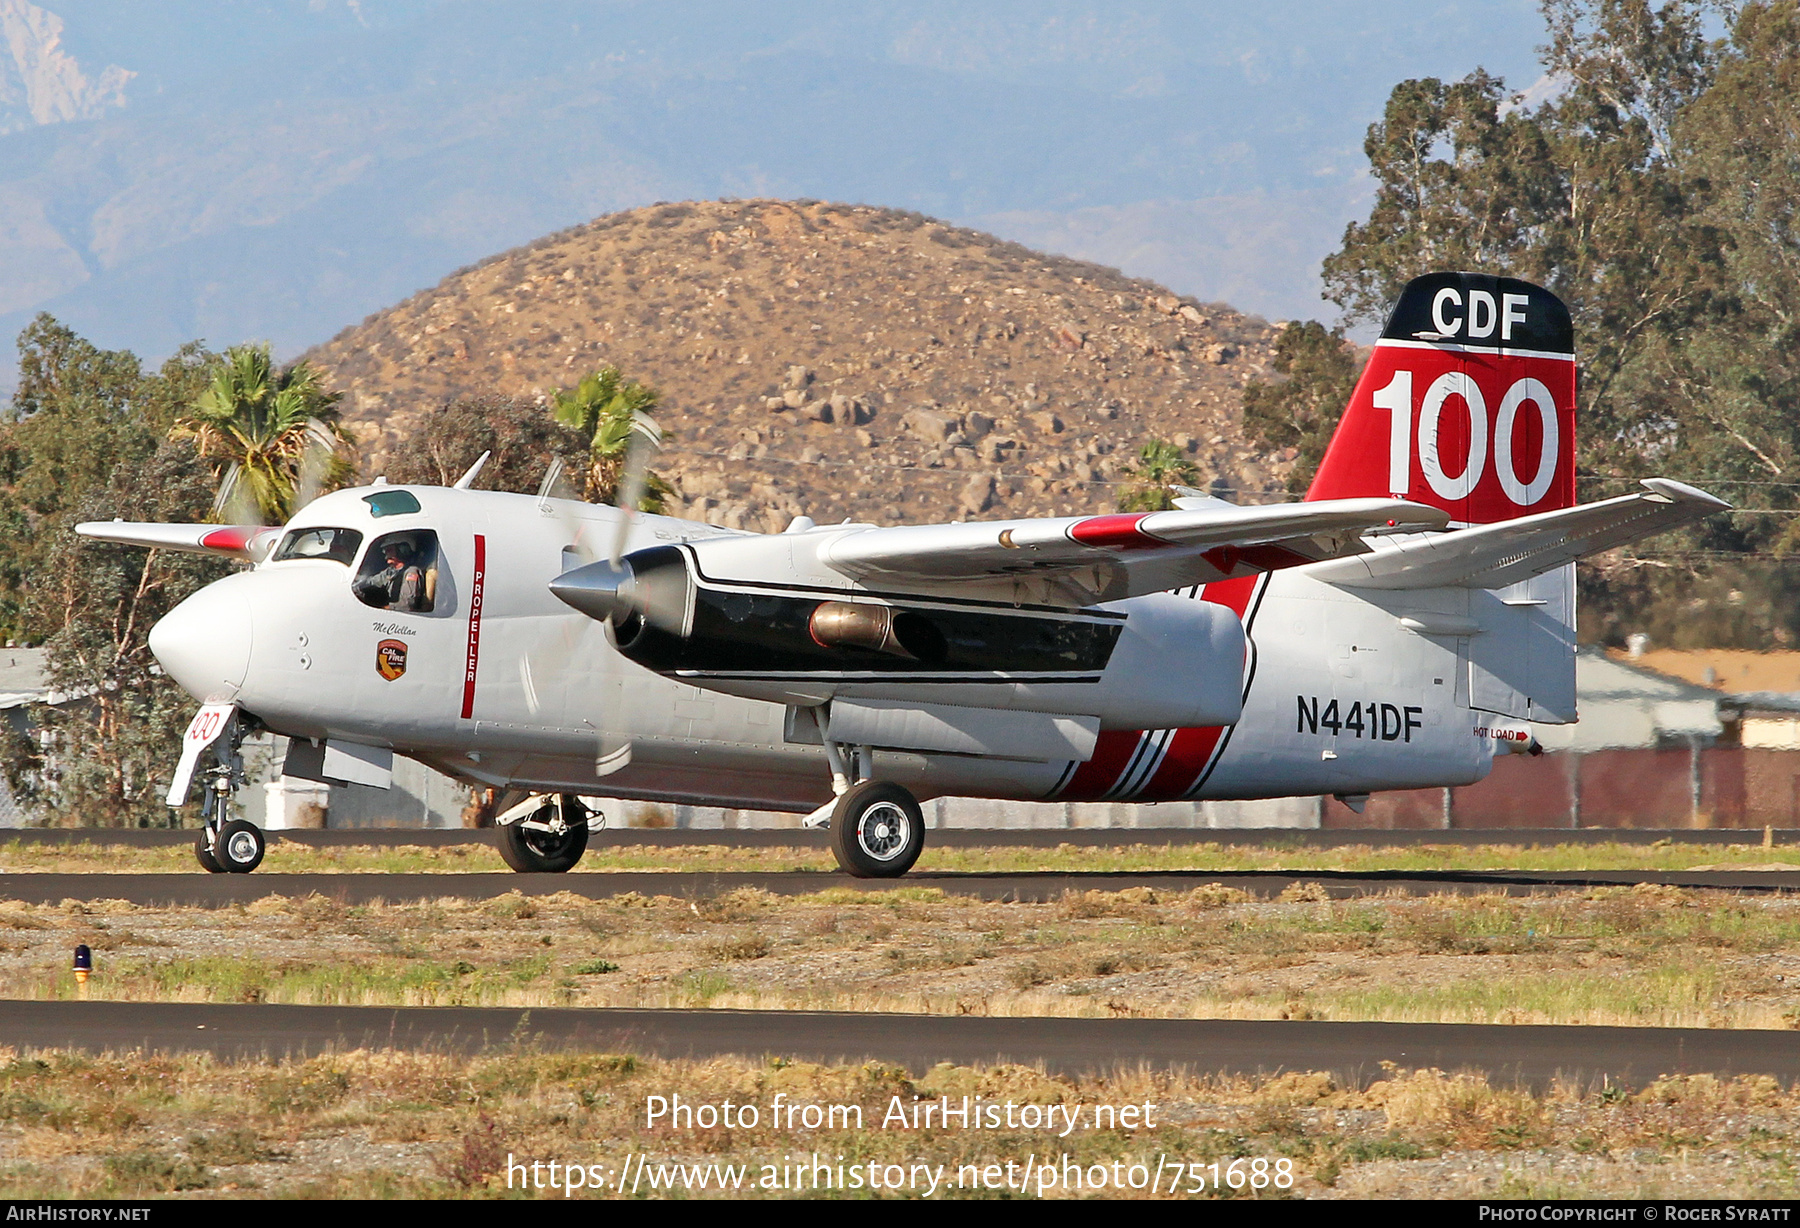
x: 1645, y: 955
x: 285, y: 857
x: 422, y: 1125
x: 391, y: 1124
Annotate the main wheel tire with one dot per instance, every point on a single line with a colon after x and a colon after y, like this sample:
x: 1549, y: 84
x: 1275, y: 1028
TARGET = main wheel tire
x: 877, y: 830
x: 239, y: 848
x: 542, y: 852
x: 203, y: 853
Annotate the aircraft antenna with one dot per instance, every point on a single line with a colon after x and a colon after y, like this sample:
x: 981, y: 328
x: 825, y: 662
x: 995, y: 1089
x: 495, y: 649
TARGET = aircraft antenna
x: 468, y: 479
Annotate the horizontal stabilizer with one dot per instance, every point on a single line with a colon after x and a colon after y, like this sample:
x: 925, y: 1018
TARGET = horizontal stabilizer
x: 248, y: 542
x: 1110, y: 557
x: 1498, y: 555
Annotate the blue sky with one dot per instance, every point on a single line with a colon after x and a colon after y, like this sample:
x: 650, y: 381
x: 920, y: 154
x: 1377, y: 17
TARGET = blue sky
x: 277, y: 169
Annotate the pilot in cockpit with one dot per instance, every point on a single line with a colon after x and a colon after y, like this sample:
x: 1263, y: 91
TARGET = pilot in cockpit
x: 400, y: 584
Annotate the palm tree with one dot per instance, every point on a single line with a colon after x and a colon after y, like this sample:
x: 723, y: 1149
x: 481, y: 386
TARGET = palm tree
x: 604, y: 407
x: 1160, y: 464
x: 277, y: 433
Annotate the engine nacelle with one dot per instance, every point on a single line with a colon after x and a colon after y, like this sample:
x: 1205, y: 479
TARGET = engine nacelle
x: 1178, y: 665
x: 1155, y: 662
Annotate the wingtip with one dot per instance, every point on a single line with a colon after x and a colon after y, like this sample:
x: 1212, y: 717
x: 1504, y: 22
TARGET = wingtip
x: 1681, y: 492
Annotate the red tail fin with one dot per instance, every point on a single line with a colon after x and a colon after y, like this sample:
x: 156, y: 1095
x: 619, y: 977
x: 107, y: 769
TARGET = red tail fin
x: 1468, y: 403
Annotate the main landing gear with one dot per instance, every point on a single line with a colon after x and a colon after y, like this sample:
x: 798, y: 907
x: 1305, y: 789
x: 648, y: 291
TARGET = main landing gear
x: 546, y: 835
x: 877, y: 828
x: 227, y: 845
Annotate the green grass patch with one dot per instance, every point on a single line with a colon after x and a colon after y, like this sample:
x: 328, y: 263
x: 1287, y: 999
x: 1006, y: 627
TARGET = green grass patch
x: 18, y: 857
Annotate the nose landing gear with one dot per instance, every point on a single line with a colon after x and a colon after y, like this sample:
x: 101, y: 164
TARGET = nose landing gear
x: 225, y: 845
x: 546, y: 835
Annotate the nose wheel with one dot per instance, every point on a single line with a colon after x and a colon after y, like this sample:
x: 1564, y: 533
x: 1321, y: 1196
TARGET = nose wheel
x: 547, y: 840
x: 227, y: 845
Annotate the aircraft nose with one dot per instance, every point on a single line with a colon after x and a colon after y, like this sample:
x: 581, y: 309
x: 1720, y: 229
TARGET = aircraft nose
x: 204, y: 643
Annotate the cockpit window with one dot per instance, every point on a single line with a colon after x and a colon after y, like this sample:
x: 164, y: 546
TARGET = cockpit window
x: 392, y: 503
x: 400, y: 572
x: 338, y: 545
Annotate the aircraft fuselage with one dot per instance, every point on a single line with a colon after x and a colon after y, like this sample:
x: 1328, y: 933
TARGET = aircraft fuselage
x: 1324, y: 690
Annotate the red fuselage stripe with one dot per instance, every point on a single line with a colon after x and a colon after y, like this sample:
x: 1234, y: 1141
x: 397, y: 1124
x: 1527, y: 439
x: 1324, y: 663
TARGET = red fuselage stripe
x: 1187, y: 757
x: 1234, y: 595
x: 474, y: 656
x: 1112, y: 753
x: 1190, y: 750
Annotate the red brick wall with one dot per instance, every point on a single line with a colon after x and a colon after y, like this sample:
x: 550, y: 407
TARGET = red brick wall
x: 1521, y: 791
x: 1618, y: 788
x: 1749, y: 788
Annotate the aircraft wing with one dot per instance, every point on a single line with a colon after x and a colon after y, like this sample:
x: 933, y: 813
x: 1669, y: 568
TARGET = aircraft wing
x: 1496, y: 555
x: 248, y: 542
x: 1108, y: 557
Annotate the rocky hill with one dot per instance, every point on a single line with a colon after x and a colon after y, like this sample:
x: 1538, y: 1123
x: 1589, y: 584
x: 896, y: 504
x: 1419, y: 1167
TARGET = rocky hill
x: 833, y: 360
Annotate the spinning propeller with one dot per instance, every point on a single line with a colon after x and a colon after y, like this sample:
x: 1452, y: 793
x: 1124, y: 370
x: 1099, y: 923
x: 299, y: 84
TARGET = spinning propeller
x: 606, y: 590
x: 235, y: 502
x: 609, y: 590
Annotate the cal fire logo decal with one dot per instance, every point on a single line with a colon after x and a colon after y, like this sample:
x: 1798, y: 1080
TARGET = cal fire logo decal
x: 390, y: 658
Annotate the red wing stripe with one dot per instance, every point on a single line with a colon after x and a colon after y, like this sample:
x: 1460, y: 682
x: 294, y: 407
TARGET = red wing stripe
x: 1118, y: 532
x: 474, y: 657
x: 233, y: 537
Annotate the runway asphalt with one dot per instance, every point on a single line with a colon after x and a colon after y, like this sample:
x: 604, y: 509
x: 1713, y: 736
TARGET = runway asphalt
x: 956, y: 837
x: 1351, y: 1052
x: 199, y: 889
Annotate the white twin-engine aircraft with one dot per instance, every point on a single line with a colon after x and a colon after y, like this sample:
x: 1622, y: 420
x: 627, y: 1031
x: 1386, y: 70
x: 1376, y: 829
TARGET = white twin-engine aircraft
x: 1395, y: 630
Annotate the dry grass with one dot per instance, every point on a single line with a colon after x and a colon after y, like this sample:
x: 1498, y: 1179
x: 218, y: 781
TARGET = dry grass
x: 385, y: 1124
x: 1644, y: 956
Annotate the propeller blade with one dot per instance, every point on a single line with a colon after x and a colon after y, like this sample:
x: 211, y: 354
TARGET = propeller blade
x: 235, y: 503
x: 547, y: 488
x: 315, y: 463
x: 640, y: 447
x: 611, y: 761
x: 613, y: 749
x: 227, y: 488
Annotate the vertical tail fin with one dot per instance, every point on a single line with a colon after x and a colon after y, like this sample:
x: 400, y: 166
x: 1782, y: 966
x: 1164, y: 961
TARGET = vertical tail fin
x: 1467, y: 403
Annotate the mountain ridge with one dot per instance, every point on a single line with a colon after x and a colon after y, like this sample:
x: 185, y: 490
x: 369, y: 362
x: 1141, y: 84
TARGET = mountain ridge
x: 831, y: 360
